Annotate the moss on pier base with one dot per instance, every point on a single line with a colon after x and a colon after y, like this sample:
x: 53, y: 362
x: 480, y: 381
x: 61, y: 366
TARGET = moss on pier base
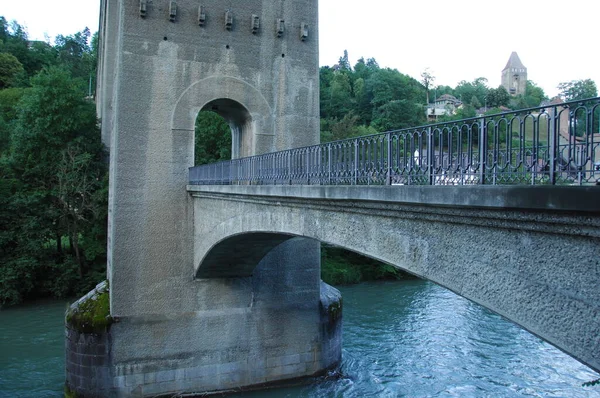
x: 91, y: 314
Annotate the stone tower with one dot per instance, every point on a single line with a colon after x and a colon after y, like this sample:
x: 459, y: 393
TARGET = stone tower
x: 255, y: 62
x: 514, y: 75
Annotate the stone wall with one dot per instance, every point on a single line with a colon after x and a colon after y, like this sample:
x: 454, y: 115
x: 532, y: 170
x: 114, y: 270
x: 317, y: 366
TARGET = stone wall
x: 88, y: 363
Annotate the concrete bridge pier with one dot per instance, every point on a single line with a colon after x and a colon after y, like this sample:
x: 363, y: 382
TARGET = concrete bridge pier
x: 279, y: 323
x: 246, y: 331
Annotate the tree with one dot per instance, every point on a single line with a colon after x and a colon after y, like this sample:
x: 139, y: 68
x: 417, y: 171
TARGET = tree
x: 398, y: 114
x: 497, y: 97
x: 79, y: 177
x: 213, y: 139
x: 427, y: 80
x: 325, y: 78
x: 466, y: 90
x: 344, y: 128
x: 534, y: 95
x: 53, y: 175
x: 10, y: 69
x: 344, y: 62
x: 340, y: 95
x: 78, y: 54
x: 363, y: 95
x: 578, y: 90
x: 33, y: 56
x: 9, y: 98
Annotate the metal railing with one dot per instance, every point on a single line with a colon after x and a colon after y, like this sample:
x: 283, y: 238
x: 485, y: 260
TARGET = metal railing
x: 553, y: 144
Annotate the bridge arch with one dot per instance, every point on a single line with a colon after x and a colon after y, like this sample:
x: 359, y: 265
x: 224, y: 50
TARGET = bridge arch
x: 242, y: 106
x: 234, y: 247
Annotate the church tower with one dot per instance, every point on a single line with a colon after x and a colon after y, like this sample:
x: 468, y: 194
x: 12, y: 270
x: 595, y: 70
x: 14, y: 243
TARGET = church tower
x: 514, y: 75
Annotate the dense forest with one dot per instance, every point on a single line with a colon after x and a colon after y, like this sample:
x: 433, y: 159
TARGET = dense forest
x: 53, y: 174
x: 53, y: 170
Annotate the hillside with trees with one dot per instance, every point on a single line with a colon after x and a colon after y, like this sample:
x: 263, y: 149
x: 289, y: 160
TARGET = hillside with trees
x: 366, y: 98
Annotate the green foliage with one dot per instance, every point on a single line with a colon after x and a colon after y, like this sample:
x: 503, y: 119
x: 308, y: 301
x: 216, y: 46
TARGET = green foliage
x: 344, y: 62
x: 465, y: 91
x: 534, y: 95
x: 465, y: 112
x: 53, y: 186
x: 9, y: 98
x: 340, y: 95
x: 427, y: 80
x: 398, y: 114
x: 578, y: 90
x: 77, y: 54
x: 335, y: 311
x: 10, y: 69
x: 33, y: 56
x: 341, y: 267
x: 497, y: 97
x: 212, y: 139
x: 367, y: 99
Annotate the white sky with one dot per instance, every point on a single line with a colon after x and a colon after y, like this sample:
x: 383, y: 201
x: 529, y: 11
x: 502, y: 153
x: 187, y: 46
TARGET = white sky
x: 457, y: 40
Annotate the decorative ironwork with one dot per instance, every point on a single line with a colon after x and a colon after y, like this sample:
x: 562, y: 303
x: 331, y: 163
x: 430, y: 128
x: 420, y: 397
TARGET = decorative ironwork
x: 553, y: 144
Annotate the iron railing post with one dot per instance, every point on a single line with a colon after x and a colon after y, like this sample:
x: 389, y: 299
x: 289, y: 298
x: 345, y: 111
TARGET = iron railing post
x: 553, y: 146
x: 307, y: 166
x: 252, y: 169
x: 329, y: 161
x: 389, y: 158
x: 289, y: 166
x: 430, y: 155
x: 356, y: 162
x: 482, y: 150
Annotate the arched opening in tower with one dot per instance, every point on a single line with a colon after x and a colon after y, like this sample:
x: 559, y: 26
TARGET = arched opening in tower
x: 222, y: 132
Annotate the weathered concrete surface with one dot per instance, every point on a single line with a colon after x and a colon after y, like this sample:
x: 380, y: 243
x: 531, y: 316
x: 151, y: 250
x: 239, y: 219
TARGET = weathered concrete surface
x: 174, y: 333
x: 240, y: 332
x: 531, y: 254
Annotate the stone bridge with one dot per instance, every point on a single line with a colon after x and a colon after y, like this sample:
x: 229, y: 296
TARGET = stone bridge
x: 531, y: 254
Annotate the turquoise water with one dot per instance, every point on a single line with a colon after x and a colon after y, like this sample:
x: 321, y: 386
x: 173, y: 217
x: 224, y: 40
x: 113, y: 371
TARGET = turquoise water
x: 401, y: 339
x: 32, y: 348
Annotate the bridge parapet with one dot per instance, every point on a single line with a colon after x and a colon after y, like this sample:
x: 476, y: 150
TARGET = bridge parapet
x: 556, y: 144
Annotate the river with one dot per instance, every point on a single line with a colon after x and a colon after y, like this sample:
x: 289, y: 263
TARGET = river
x: 401, y: 339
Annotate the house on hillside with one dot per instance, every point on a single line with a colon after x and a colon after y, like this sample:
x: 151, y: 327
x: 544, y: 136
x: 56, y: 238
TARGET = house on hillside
x: 444, y: 105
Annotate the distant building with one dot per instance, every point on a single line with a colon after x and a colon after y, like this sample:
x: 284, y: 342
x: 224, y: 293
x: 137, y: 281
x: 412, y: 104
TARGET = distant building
x: 514, y: 75
x: 444, y: 105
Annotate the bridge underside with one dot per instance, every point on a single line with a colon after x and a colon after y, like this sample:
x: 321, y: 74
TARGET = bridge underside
x: 531, y: 254
x: 239, y: 255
